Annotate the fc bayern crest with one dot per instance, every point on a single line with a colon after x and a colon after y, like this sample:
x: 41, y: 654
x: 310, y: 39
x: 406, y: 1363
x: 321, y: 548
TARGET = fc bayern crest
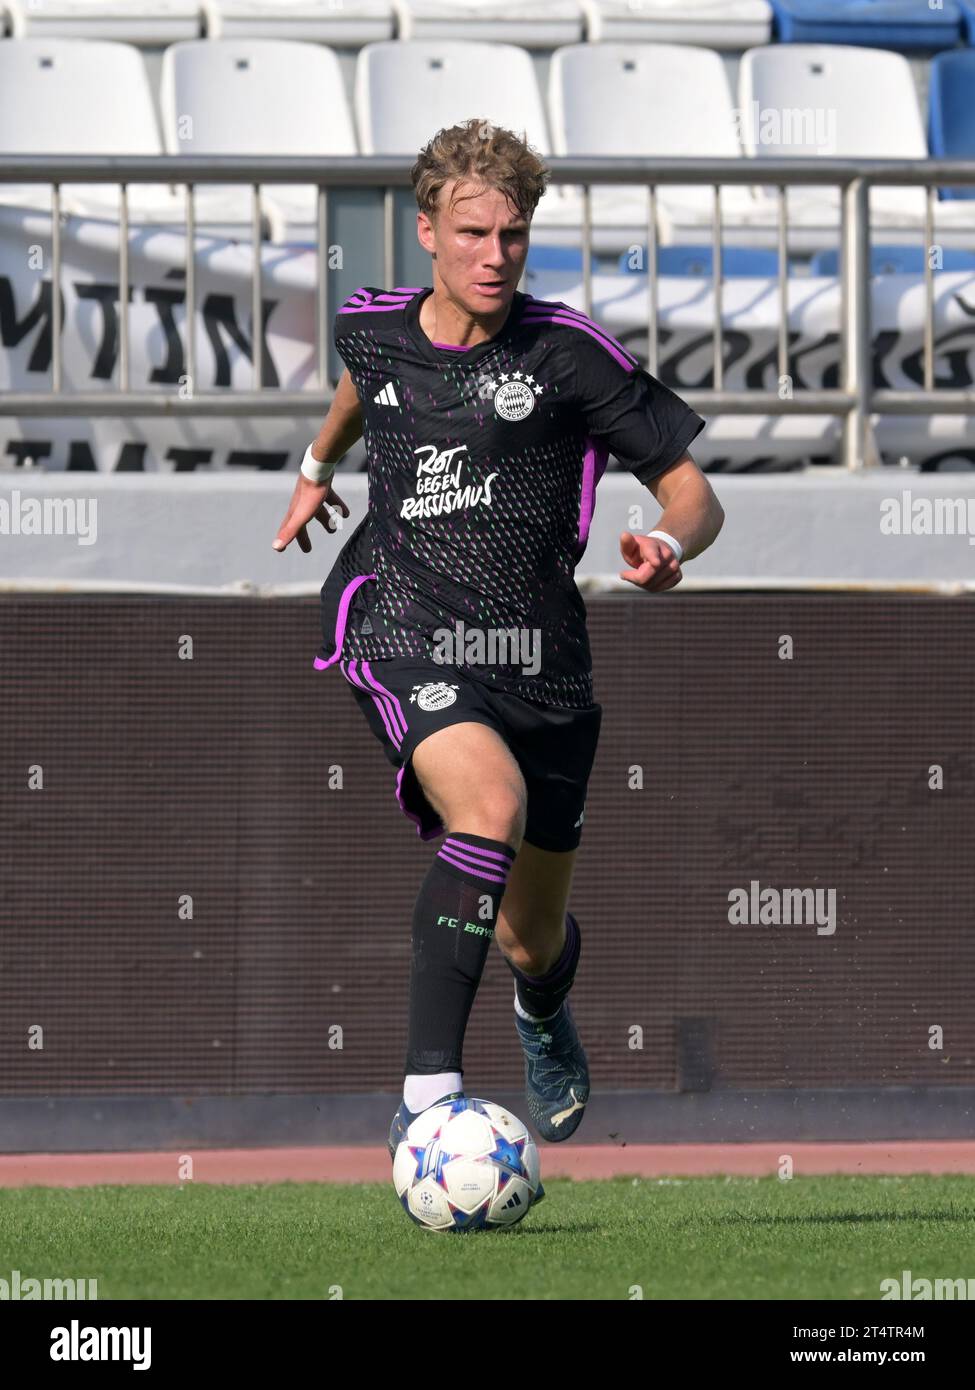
x: 514, y: 395
x: 436, y: 695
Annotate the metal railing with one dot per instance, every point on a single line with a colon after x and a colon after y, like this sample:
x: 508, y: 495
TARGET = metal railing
x: 854, y: 402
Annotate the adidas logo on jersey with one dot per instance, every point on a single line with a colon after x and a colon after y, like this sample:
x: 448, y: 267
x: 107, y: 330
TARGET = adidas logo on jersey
x: 387, y: 395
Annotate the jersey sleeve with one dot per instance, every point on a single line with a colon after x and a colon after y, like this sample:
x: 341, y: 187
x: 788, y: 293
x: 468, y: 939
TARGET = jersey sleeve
x: 641, y: 421
x: 353, y: 313
x: 352, y: 316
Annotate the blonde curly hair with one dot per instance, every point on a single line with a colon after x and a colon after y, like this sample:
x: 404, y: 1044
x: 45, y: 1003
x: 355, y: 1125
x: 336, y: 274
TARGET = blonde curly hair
x: 480, y: 153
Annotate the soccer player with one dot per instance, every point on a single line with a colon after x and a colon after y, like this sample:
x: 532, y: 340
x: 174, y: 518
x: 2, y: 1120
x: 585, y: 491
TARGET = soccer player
x: 452, y: 611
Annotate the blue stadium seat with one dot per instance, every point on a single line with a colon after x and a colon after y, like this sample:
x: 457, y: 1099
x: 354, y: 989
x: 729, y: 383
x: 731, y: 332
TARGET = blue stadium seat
x: 968, y: 17
x: 900, y: 24
x: 554, y: 258
x: 737, y: 262
x: 951, y: 112
x: 894, y: 260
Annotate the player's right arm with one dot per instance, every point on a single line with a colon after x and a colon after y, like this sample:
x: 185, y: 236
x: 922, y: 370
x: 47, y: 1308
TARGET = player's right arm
x: 341, y: 429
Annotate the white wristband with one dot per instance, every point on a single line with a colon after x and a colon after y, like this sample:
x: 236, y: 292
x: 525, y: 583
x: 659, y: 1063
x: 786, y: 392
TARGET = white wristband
x: 314, y: 470
x: 672, y: 541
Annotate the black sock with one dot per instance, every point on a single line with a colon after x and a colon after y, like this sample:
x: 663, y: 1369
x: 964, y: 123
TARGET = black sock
x: 542, y: 995
x: 453, y: 926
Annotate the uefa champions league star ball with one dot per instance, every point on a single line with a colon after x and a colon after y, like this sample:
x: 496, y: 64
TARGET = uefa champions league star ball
x: 467, y: 1165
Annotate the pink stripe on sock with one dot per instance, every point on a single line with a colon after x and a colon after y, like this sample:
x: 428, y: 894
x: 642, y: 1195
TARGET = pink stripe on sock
x: 506, y: 859
x: 469, y: 869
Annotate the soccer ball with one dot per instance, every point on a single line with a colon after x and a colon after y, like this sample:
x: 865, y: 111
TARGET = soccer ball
x: 467, y: 1165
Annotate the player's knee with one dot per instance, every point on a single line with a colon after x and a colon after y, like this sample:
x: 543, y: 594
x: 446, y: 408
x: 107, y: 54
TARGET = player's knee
x: 509, y: 809
x: 496, y: 810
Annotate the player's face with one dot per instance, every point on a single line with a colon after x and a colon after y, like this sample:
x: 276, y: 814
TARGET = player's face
x: 480, y: 244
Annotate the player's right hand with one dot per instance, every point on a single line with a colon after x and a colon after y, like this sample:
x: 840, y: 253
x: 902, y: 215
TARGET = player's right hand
x: 310, y: 500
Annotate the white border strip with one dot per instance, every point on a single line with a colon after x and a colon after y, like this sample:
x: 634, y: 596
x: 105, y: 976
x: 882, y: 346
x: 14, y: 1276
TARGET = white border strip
x: 588, y: 584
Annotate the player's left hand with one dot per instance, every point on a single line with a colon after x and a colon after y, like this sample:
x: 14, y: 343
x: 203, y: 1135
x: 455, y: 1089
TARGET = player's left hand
x: 654, y: 565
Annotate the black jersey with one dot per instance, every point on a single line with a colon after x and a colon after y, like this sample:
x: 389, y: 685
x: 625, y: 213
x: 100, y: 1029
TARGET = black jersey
x: 482, y: 465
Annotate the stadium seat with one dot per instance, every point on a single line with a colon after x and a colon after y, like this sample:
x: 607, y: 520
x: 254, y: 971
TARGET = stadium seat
x: 129, y: 21
x: 257, y: 97
x: 951, y: 112
x: 913, y: 25
x: 545, y: 258
x: 968, y: 19
x: 347, y: 24
x: 71, y: 96
x: 737, y: 262
x: 895, y: 260
x: 404, y: 92
x: 819, y: 101
x: 530, y: 24
x: 458, y: 80
x: 732, y: 24
x: 647, y: 100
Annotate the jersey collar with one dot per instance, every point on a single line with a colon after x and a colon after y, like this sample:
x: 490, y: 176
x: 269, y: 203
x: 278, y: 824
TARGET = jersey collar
x: 473, y: 354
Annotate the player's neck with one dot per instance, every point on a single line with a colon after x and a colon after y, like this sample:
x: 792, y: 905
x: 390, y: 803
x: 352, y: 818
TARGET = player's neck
x: 445, y: 321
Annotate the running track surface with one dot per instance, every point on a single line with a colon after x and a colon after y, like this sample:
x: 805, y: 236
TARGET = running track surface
x: 367, y: 1164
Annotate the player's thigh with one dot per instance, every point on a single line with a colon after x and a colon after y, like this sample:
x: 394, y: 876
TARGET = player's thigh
x: 470, y: 778
x: 535, y: 901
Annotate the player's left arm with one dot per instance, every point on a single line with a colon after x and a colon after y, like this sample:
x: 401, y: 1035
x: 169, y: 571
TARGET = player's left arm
x: 692, y: 514
x: 648, y: 429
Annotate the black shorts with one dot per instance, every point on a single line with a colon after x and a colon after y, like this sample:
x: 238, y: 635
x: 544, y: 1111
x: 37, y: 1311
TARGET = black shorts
x: 405, y: 701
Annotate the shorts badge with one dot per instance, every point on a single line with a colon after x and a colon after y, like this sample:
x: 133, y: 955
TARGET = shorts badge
x: 436, y: 695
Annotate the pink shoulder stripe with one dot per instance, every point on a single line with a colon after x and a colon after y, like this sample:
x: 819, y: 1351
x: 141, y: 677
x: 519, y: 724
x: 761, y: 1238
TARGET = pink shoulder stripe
x: 363, y: 301
x: 552, y: 311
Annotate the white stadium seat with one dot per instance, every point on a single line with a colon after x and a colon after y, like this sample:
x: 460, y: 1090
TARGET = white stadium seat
x: 712, y: 23
x: 130, y: 21
x: 341, y: 23
x: 532, y: 24
x: 458, y: 80
x: 826, y: 100
x: 257, y: 97
x: 67, y: 97
x: 647, y: 100
x: 404, y: 93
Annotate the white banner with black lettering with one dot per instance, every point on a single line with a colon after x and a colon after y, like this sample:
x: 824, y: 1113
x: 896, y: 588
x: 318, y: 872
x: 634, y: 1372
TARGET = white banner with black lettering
x: 224, y: 338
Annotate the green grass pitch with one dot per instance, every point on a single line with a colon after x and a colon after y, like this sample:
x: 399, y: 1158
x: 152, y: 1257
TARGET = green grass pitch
x: 697, y: 1238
